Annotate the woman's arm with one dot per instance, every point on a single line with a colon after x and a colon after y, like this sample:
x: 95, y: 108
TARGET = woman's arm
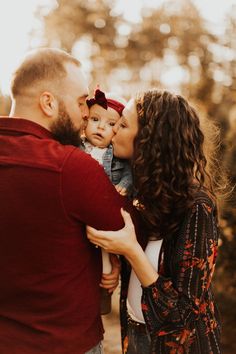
x: 169, y: 304
x: 175, y: 302
x: 125, y: 242
x: 141, y: 265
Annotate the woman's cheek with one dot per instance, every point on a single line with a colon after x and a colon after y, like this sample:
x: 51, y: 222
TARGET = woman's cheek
x: 116, y: 150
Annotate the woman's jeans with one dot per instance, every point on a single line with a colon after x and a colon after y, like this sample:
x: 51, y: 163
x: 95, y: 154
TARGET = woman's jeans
x: 98, y: 349
x: 139, y: 341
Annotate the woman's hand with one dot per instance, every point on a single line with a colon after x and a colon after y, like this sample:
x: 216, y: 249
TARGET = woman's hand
x: 123, y: 241
x: 111, y: 281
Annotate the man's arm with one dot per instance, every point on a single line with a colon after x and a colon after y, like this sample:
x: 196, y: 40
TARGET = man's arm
x: 88, y: 196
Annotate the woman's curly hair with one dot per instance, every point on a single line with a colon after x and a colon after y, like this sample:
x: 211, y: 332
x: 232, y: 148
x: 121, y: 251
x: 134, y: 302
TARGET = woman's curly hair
x: 169, y: 162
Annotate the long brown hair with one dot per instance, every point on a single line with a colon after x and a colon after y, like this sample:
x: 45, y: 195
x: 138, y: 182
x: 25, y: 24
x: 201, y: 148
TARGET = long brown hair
x: 169, y: 162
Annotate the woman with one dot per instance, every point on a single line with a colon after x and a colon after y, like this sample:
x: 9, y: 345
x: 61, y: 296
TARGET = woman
x: 173, y: 311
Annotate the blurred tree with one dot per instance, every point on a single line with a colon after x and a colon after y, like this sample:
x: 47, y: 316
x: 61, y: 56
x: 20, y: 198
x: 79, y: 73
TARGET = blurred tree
x: 88, y: 21
x: 226, y: 277
x: 5, y: 104
x: 176, y: 35
x: 228, y: 97
x: 172, y: 37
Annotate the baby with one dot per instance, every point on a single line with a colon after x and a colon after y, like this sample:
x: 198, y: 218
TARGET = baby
x: 98, y: 132
x: 103, y: 115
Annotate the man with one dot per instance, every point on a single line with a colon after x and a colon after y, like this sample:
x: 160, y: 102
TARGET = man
x: 49, y: 272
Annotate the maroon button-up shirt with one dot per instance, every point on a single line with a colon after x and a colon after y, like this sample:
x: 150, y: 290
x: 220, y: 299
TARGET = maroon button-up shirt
x: 49, y: 271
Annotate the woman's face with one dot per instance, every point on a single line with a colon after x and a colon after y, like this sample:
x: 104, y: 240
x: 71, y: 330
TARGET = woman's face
x: 125, y: 131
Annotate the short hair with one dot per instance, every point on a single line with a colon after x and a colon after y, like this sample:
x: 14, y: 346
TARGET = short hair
x: 43, y: 64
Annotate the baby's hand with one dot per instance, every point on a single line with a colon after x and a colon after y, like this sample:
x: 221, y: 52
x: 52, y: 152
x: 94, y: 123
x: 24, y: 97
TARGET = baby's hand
x: 121, y: 190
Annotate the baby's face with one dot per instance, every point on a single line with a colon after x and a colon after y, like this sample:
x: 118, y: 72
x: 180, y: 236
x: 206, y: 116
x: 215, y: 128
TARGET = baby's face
x: 99, y: 129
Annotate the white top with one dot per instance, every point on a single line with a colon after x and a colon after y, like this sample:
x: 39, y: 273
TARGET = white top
x: 95, y: 151
x: 135, y: 291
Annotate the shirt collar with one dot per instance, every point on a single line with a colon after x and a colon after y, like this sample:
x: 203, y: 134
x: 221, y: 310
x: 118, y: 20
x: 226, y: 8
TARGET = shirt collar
x: 24, y: 126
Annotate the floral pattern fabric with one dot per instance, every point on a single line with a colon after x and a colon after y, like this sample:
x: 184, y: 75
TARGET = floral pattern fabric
x: 179, y: 308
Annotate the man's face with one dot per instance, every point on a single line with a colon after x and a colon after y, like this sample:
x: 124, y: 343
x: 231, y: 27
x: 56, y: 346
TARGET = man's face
x: 73, y: 93
x: 63, y: 129
x: 72, y: 107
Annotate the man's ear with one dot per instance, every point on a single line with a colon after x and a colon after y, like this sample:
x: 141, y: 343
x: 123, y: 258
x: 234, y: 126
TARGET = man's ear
x: 48, y: 104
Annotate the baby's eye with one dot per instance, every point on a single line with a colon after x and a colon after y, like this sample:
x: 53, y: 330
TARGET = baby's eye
x: 94, y: 119
x: 112, y: 124
x: 123, y: 125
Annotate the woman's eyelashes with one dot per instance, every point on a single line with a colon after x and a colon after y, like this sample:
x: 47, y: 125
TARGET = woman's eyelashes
x: 123, y: 124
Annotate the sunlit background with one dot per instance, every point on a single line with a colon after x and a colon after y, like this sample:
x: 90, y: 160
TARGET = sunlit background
x: 22, y: 28
x: 129, y: 45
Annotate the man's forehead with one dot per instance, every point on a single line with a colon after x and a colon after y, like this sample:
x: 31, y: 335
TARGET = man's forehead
x: 76, y: 77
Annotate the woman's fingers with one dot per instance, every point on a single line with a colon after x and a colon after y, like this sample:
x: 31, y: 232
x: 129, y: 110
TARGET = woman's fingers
x: 91, y: 232
x: 94, y: 234
x: 127, y: 218
x: 97, y: 237
x: 119, y: 242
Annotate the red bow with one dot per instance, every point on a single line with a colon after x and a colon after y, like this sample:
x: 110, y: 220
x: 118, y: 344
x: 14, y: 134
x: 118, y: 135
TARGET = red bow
x: 101, y: 100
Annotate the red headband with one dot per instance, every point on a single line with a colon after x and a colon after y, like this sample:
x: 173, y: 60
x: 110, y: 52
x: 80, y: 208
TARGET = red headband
x: 101, y: 100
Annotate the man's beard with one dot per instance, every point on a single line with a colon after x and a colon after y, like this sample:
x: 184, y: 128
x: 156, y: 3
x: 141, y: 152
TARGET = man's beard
x: 64, y: 130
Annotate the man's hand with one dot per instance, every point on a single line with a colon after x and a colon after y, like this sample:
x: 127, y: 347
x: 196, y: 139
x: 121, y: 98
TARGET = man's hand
x: 111, y: 281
